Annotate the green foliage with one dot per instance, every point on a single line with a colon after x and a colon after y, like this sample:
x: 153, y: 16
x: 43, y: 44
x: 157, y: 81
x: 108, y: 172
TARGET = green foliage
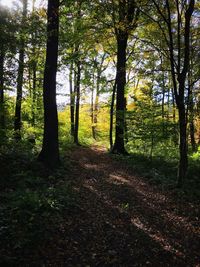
x: 196, y: 156
x: 33, y: 201
x: 161, y: 170
x: 149, y: 131
x: 85, y: 126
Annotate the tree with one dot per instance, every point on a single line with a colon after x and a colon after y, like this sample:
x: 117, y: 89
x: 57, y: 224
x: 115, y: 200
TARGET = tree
x: 174, y: 21
x: 17, y: 120
x: 77, y: 106
x: 72, y: 99
x: 127, y: 21
x: 73, y: 54
x: 50, y: 150
x: 35, y: 55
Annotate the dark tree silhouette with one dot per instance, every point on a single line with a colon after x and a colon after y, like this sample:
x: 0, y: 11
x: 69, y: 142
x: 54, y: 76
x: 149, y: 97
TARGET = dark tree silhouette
x: 50, y: 150
x: 128, y: 14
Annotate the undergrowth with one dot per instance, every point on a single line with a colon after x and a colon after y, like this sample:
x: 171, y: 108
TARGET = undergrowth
x: 33, y: 203
x: 162, y: 171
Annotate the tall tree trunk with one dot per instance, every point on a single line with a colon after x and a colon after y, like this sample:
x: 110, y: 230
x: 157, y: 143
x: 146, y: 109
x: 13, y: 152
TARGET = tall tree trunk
x: 120, y: 103
x: 17, y: 119
x: 33, y: 106
x: 163, y: 91
x: 72, y: 100
x: 77, y: 90
x: 50, y: 149
x: 192, y: 132
x: 96, y: 104
x: 111, y: 115
x: 125, y: 122
x: 128, y: 16
x: 191, y: 117
x: 179, y: 68
x: 34, y: 72
x: 168, y: 103
x: 2, y: 113
x: 183, y: 161
x: 173, y: 108
x: 191, y: 103
x: 92, y: 109
x: 163, y: 102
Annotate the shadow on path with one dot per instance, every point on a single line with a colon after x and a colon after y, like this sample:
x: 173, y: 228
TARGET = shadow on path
x: 122, y: 220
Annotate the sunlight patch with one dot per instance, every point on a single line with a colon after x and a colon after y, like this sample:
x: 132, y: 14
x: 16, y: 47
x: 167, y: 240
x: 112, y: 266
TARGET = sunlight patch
x: 158, y: 237
x: 91, y: 166
x: 118, y: 178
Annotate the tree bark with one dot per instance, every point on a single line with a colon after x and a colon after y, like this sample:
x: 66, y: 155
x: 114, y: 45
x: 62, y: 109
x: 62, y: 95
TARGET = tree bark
x: 96, y: 104
x: 120, y: 103
x: 92, y: 109
x: 183, y: 161
x: 77, y: 90
x: 111, y: 115
x: 179, y: 78
x: 33, y: 108
x: 128, y: 15
x: 71, y: 100
x: 50, y: 149
x: 125, y: 123
x: 163, y: 99
x: 191, y: 117
x: 192, y: 132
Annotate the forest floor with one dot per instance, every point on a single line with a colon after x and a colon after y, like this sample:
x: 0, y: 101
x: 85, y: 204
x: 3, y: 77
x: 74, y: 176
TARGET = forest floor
x: 122, y: 220
x: 116, y: 219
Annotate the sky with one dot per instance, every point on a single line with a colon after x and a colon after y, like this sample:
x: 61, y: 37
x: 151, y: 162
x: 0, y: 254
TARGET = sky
x: 9, y: 3
x: 62, y: 76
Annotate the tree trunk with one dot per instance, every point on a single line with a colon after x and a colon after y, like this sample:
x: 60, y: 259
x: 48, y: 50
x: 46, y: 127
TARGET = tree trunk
x: 192, y: 134
x: 183, y: 160
x: 2, y: 115
x: 96, y: 105
x: 34, y: 73
x: 71, y: 100
x: 125, y: 122
x: 174, y: 108
x: 17, y: 122
x: 77, y: 90
x: 33, y: 108
x: 168, y: 103
x: 111, y: 115
x: 191, y: 110
x: 191, y: 119
x: 120, y: 103
x: 92, y: 110
x: 163, y: 104
x: 17, y: 119
x: 50, y: 149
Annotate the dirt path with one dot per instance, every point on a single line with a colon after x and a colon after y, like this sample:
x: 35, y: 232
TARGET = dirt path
x: 121, y: 220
